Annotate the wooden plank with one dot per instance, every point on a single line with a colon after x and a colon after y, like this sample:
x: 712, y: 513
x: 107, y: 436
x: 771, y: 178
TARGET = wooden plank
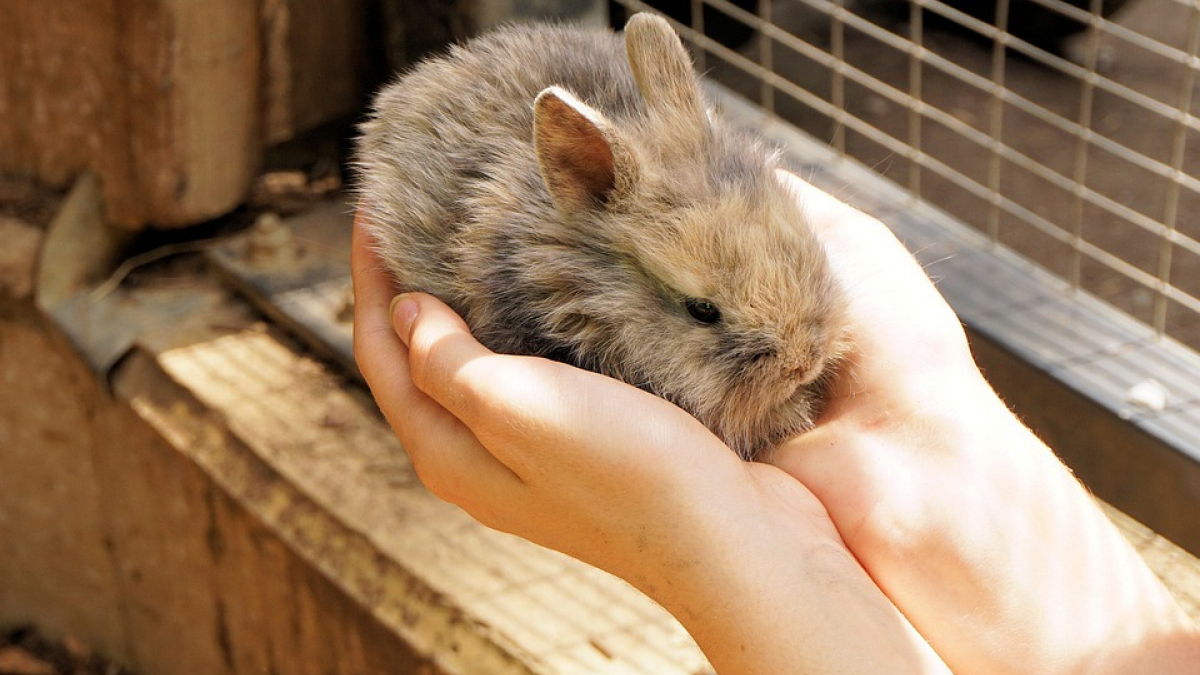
x: 55, y: 567
x: 192, y: 103
x: 58, y: 61
x: 113, y: 537
x: 206, y: 587
x: 317, y: 66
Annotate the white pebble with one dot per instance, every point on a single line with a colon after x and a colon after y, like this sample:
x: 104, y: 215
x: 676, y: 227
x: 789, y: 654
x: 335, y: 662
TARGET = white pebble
x: 1149, y: 395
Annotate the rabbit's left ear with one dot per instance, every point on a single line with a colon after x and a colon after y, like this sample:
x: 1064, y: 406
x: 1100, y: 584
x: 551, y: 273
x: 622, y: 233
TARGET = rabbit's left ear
x: 584, y: 161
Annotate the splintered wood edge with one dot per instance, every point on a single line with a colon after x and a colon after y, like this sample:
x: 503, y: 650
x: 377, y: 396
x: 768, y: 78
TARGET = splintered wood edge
x: 309, y: 457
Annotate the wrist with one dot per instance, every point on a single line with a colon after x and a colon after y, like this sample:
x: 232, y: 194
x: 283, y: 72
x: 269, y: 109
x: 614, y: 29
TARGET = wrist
x: 784, y: 594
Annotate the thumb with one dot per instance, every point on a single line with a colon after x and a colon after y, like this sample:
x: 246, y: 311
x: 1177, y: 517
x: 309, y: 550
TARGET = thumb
x: 440, y: 347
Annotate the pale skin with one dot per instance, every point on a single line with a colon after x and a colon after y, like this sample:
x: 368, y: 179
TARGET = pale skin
x: 920, y: 528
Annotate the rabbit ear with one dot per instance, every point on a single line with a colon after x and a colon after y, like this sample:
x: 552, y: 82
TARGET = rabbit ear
x: 582, y: 158
x: 663, y: 69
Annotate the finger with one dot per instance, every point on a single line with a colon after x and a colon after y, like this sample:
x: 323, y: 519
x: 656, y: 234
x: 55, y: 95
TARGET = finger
x: 441, y: 346
x: 859, y: 240
x: 465, y: 378
x: 381, y: 357
x: 375, y: 343
x: 534, y: 414
x: 447, y: 457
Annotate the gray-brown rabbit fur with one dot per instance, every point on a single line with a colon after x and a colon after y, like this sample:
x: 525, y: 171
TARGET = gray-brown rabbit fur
x: 573, y: 204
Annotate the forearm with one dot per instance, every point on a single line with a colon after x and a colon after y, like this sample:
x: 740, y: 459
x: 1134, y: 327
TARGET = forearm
x: 1097, y: 594
x: 1017, y: 564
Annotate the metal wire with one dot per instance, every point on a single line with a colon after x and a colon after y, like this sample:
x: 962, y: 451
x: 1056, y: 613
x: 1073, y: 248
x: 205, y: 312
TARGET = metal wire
x: 1091, y: 149
x: 1178, y: 146
x: 996, y: 122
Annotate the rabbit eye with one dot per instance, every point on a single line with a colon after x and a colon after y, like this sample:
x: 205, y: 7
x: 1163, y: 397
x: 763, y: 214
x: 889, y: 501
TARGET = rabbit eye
x: 703, y: 311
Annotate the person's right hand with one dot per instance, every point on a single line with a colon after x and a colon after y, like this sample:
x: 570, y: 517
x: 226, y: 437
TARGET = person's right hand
x: 981, y: 537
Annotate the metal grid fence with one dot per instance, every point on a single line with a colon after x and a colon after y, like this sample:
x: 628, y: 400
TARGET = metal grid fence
x: 1080, y: 151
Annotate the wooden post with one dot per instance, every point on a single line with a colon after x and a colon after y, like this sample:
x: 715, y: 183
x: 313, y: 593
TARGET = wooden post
x: 170, y: 102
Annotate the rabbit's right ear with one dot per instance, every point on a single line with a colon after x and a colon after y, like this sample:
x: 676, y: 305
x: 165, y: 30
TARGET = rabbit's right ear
x: 583, y: 159
x: 663, y: 70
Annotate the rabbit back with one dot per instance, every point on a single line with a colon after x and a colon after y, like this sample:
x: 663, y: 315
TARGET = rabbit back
x: 447, y: 152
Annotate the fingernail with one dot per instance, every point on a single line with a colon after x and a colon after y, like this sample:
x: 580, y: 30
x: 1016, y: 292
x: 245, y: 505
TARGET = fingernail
x: 404, y: 311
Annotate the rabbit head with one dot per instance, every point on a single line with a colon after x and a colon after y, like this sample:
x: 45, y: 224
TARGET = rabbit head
x: 693, y: 273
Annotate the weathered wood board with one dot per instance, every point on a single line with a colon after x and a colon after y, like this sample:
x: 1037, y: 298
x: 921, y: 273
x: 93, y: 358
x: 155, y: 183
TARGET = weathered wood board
x: 170, y: 102
x: 316, y: 62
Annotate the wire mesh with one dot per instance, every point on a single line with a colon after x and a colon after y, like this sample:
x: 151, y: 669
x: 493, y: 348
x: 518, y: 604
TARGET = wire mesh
x: 1066, y: 131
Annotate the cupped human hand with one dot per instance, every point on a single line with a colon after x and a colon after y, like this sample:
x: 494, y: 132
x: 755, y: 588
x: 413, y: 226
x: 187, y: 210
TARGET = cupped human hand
x: 967, y: 521
x: 743, y: 554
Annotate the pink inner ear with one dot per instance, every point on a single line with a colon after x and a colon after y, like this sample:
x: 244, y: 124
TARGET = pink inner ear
x: 591, y: 160
x: 577, y: 161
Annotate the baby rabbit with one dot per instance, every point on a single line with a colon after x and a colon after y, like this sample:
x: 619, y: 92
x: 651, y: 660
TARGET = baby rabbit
x: 574, y: 205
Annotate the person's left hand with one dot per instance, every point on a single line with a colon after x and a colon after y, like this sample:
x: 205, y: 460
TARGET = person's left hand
x: 565, y: 457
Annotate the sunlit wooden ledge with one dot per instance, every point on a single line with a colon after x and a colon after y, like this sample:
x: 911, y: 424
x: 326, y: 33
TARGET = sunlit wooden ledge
x: 306, y: 455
